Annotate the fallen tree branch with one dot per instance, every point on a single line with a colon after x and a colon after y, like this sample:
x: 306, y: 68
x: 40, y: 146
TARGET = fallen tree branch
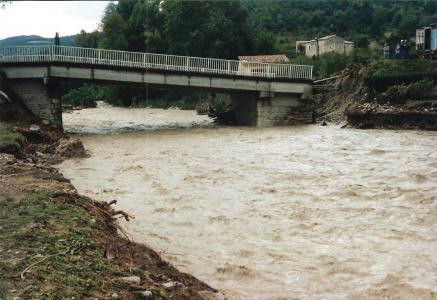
x: 329, y: 78
x: 124, y: 214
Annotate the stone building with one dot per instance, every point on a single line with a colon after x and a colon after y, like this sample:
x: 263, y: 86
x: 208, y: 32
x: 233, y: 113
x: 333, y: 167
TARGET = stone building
x: 330, y: 43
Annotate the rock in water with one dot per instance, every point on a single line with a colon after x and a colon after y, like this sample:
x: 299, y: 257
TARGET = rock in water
x: 70, y: 148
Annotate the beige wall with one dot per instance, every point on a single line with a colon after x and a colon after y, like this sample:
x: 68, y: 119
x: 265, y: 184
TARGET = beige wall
x: 334, y: 44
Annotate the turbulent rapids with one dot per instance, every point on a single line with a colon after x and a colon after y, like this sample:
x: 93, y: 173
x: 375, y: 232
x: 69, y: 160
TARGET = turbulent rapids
x: 269, y: 213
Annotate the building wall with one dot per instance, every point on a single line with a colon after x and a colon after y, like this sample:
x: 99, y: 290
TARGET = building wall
x: 311, y: 49
x: 348, y: 48
x: 334, y: 44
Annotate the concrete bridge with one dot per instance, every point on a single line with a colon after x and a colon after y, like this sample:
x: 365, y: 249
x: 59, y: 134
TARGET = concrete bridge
x: 263, y: 94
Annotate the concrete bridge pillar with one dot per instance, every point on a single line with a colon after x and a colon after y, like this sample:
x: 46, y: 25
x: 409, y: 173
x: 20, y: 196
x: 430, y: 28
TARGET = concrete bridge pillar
x: 41, y: 97
x: 272, y: 109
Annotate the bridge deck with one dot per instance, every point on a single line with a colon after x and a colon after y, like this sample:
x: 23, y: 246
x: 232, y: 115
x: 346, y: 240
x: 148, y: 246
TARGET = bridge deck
x: 152, y: 61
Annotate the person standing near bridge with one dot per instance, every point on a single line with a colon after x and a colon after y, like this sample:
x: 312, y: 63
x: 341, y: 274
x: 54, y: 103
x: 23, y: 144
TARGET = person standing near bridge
x: 386, y: 51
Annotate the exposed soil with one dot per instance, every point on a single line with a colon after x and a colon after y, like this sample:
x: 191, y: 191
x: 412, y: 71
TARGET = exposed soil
x: 346, y: 99
x: 55, y: 243
x: 345, y: 90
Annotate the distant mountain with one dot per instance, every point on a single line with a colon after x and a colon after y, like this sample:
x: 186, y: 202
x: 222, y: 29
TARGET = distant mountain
x: 35, y: 40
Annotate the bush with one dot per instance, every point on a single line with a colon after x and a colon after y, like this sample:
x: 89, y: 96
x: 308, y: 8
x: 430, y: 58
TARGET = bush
x: 383, y: 74
x: 331, y: 63
x: 415, y: 91
x: 10, y: 140
x: 214, y: 103
x: 397, y: 93
x: 86, y: 95
x: 326, y: 65
x: 421, y: 89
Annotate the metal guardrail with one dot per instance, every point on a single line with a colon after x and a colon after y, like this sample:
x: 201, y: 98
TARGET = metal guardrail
x: 152, y: 61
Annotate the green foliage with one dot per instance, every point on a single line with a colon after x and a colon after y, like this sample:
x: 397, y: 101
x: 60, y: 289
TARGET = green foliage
x: 327, y: 64
x: 86, y: 95
x: 399, y: 67
x: 361, y: 40
x: 421, y: 89
x: 416, y: 91
x: 87, y: 40
x: 352, y: 19
x: 41, y: 226
x: 9, y: 139
x: 114, y: 30
x: 384, y: 73
x: 331, y: 63
x: 217, y: 103
x: 207, y: 28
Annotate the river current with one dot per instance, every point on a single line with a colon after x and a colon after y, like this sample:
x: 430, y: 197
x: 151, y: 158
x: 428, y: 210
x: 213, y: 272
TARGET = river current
x: 300, y: 212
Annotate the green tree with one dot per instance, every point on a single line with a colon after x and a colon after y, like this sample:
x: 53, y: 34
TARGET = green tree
x: 87, y: 40
x: 114, y: 30
x: 207, y: 28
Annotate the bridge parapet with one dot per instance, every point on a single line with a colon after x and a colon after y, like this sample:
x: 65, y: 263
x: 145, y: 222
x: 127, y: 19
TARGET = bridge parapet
x: 38, y: 54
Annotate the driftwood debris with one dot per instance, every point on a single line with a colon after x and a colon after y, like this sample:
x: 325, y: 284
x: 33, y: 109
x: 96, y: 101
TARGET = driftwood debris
x: 329, y: 78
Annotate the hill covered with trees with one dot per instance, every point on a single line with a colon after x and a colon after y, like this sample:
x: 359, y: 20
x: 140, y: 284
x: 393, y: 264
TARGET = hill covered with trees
x: 35, y: 40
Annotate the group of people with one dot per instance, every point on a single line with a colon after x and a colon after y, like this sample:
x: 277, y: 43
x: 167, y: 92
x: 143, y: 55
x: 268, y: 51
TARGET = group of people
x: 401, y: 50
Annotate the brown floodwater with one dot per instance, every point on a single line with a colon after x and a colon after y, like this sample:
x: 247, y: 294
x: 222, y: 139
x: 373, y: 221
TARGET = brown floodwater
x: 303, y: 212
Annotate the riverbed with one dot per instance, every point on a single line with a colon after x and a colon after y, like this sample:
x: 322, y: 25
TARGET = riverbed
x: 305, y: 212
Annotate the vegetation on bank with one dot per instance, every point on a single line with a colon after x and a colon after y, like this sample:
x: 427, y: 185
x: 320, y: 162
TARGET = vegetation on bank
x: 383, y: 74
x: 49, y: 248
x: 57, y: 245
x: 10, y: 140
x: 86, y: 95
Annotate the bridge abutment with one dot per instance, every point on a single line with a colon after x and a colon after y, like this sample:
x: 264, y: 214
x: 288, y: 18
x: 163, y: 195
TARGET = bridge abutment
x: 272, y: 109
x: 41, y: 97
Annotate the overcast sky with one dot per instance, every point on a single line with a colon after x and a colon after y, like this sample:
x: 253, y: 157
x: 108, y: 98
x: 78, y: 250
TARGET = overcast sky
x: 45, y: 18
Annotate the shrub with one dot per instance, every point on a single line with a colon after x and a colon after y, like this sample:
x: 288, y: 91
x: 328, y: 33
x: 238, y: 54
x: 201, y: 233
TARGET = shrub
x: 86, y: 95
x: 415, y: 91
x: 326, y: 65
x: 397, y: 93
x: 383, y: 74
x: 421, y: 89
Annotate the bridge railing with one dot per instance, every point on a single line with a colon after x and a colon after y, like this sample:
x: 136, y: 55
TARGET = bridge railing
x: 153, y: 61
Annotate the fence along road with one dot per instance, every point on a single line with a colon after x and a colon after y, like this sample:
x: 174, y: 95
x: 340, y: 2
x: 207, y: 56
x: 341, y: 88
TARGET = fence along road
x: 105, y: 57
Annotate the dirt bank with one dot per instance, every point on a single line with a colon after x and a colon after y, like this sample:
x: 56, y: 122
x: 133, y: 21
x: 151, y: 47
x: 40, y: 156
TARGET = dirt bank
x: 55, y: 243
x: 345, y: 98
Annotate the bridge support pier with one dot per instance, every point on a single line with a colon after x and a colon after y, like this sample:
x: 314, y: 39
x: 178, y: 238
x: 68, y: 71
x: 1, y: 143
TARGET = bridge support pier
x: 41, y: 97
x: 272, y: 109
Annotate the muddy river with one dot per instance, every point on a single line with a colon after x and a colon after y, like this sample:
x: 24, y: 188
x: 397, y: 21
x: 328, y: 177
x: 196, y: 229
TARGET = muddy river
x: 305, y: 212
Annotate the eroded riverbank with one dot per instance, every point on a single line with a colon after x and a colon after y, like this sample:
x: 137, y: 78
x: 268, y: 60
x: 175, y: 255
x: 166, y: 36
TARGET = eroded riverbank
x: 57, y: 244
x: 291, y: 212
